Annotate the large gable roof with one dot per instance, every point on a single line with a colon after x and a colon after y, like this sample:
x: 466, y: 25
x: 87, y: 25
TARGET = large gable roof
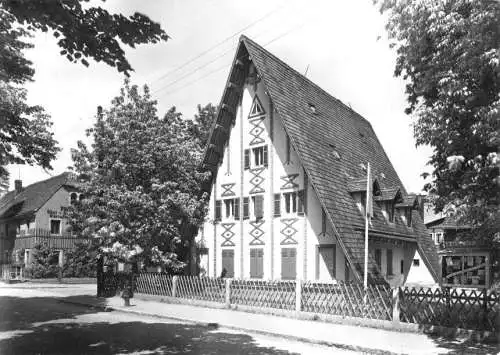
x: 32, y: 197
x: 313, y: 134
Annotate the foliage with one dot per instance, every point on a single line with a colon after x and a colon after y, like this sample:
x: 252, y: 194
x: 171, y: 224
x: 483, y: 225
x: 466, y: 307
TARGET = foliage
x: 448, y: 54
x: 80, y: 262
x: 83, y: 32
x: 44, y: 262
x: 142, y: 181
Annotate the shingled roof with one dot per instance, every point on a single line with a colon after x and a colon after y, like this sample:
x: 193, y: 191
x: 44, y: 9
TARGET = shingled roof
x: 32, y: 197
x: 312, y: 132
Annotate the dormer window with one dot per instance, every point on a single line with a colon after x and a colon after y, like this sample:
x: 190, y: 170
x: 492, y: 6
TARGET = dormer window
x: 408, y: 216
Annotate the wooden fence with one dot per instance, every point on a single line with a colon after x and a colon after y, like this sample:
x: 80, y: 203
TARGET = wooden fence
x: 468, y: 309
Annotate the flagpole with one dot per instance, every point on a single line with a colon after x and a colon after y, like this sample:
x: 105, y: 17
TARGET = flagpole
x: 365, y: 281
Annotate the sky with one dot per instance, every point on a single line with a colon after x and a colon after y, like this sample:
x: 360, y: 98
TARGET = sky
x: 341, y: 44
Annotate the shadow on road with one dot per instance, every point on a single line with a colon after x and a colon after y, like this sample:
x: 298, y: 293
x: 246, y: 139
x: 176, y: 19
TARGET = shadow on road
x: 454, y: 346
x: 66, y: 329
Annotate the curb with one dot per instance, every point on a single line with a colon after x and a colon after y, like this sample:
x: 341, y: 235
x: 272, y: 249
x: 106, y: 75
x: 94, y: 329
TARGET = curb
x: 359, y: 349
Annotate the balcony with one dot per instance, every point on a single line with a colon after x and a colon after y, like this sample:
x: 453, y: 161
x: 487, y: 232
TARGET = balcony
x: 27, y: 239
x: 463, y: 244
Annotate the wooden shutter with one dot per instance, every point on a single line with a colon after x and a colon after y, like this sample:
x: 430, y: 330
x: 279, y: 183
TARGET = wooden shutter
x: 247, y: 159
x: 389, y: 261
x: 277, y: 205
x: 265, y: 156
x: 228, y: 262
x: 259, y: 206
x: 236, y: 208
x: 288, y: 263
x: 246, y: 211
x: 300, y: 207
x: 218, y: 212
x: 256, y: 263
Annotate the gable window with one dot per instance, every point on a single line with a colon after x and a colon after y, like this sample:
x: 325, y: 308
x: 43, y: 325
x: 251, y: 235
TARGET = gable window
x: 55, y: 226
x: 408, y: 216
x: 416, y: 262
x: 258, y: 206
x: 260, y: 156
x: 81, y: 197
x: 73, y: 197
x: 389, y: 210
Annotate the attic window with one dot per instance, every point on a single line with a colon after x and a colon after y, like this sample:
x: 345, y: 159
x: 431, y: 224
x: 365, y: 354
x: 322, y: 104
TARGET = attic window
x: 313, y: 109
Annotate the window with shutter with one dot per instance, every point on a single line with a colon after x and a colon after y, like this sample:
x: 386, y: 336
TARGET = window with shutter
x: 256, y: 263
x: 288, y: 263
x: 277, y: 205
x: 236, y: 208
x: 258, y: 203
x: 229, y: 203
x: 246, y: 210
x: 218, y: 210
x: 228, y: 262
x: 265, y: 157
x: 389, y: 262
x: 247, y: 159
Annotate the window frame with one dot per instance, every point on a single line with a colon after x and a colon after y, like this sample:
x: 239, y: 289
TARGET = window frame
x: 60, y: 225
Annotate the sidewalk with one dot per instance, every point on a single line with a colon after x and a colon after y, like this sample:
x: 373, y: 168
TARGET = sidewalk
x: 355, y: 338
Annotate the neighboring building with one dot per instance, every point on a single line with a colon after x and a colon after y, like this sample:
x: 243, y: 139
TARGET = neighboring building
x: 36, y: 214
x: 464, y: 260
x: 289, y: 185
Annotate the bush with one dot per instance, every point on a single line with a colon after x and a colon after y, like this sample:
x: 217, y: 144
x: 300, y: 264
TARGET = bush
x: 80, y: 262
x: 45, y: 263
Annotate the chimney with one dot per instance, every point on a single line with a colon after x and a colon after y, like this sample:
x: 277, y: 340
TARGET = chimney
x: 18, y: 184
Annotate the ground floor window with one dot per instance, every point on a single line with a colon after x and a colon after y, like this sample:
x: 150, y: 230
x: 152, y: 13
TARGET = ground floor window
x: 257, y: 263
x: 227, y: 263
x: 288, y: 263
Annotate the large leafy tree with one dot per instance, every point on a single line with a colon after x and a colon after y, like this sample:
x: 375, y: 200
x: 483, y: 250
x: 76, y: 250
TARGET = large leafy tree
x: 143, y: 181
x: 447, y: 51
x: 83, y: 32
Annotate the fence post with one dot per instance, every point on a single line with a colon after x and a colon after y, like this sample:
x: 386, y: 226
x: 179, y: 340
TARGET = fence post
x: 175, y: 279
x: 395, y: 305
x: 298, y: 295
x: 228, y: 293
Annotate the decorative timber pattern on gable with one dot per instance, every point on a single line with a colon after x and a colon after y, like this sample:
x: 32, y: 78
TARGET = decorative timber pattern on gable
x: 257, y: 180
x: 289, y: 182
x: 228, y: 190
x: 257, y: 233
x: 257, y: 109
x: 257, y: 130
x: 227, y: 234
x: 289, y: 231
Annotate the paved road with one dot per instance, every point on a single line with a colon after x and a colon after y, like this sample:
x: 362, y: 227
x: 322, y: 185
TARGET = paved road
x: 33, y: 321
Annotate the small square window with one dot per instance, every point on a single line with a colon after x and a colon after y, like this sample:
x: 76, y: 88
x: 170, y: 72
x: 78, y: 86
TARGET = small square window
x: 416, y: 262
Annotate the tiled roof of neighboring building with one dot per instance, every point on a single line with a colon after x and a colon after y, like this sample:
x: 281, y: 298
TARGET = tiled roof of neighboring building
x: 311, y: 133
x: 390, y: 194
x: 32, y: 197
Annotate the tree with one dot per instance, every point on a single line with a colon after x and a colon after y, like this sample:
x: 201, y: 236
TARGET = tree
x: 83, y: 32
x: 143, y: 181
x: 79, y: 262
x: 447, y: 51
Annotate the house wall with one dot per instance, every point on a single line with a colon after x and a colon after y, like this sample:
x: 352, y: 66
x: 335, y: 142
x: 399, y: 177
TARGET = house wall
x: 419, y: 275
x: 54, y: 209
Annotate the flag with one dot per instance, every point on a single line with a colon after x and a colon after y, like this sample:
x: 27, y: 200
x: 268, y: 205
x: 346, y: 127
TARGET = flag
x: 369, y: 194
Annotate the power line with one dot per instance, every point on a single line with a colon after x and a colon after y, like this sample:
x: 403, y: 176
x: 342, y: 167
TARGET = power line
x: 225, y: 66
x: 220, y: 43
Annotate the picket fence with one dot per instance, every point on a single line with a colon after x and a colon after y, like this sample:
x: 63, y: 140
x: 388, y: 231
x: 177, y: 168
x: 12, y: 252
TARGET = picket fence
x: 468, y: 309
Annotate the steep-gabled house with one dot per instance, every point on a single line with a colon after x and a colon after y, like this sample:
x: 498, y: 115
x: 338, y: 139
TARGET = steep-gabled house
x: 289, y: 184
x: 36, y: 214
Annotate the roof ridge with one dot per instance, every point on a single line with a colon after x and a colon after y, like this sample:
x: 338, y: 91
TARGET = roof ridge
x: 42, y: 181
x: 303, y: 77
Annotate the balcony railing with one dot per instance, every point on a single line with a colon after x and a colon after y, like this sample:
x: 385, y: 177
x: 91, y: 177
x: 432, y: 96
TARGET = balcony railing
x: 463, y: 244
x: 27, y: 239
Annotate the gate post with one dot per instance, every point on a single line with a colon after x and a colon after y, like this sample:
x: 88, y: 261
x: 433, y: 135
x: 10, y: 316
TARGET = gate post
x: 395, y: 305
x: 228, y: 293
x: 298, y: 295
x: 175, y: 279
